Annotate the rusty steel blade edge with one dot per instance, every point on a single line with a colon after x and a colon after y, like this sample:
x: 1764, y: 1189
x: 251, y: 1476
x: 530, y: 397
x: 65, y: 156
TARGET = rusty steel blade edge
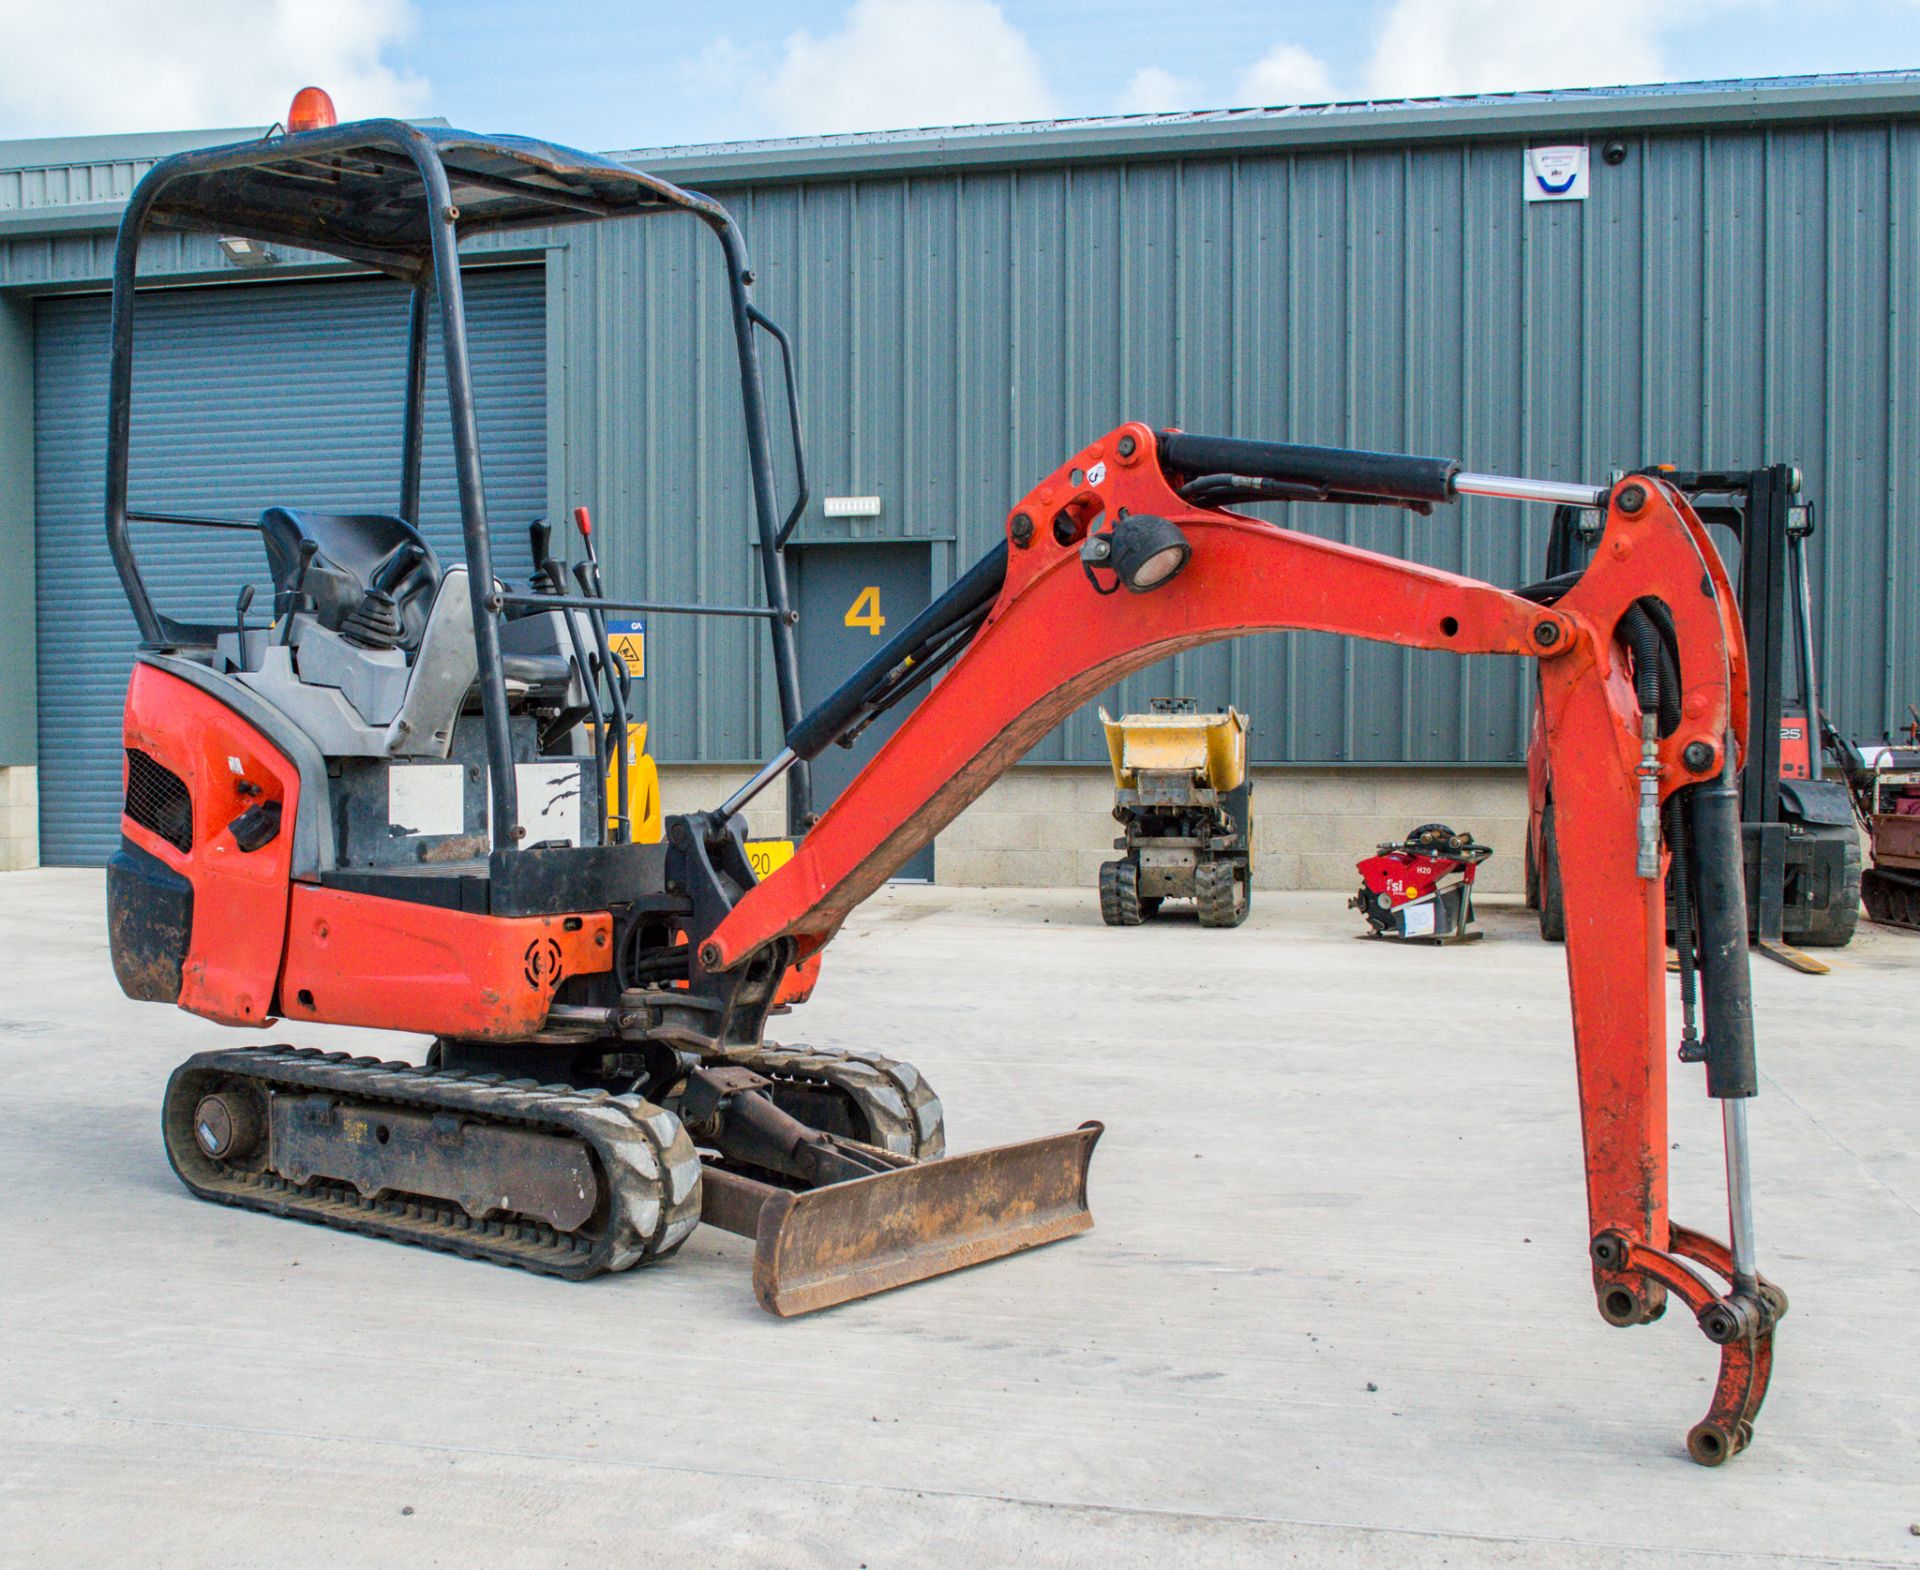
x: 831, y: 1245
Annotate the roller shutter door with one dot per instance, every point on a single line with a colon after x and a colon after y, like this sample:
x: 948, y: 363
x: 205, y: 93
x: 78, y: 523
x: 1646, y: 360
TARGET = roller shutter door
x: 245, y: 396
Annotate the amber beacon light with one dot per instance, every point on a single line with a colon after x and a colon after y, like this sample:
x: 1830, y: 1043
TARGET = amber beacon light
x: 312, y: 110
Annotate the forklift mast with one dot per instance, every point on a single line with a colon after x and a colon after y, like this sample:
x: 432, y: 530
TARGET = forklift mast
x: 1802, y: 859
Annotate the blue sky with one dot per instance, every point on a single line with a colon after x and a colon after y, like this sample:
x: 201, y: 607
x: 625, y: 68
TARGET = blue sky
x: 641, y: 74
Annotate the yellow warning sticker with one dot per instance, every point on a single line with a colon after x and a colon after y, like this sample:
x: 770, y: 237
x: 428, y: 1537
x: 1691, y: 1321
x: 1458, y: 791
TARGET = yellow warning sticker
x: 768, y: 856
x: 628, y: 639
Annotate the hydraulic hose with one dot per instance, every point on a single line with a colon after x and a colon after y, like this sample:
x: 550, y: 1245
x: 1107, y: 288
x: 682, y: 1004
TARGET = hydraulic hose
x: 1683, y: 937
x: 973, y: 591
x: 922, y: 671
x: 1644, y: 641
x: 1662, y: 619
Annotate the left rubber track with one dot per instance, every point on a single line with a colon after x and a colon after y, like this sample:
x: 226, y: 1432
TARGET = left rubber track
x: 645, y: 1173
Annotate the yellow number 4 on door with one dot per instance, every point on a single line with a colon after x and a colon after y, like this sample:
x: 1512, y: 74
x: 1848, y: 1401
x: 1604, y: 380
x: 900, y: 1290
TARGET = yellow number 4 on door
x: 865, y: 612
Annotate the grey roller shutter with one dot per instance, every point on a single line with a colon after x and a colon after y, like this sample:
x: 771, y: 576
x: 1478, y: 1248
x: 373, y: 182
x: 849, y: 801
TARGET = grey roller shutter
x: 245, y: 396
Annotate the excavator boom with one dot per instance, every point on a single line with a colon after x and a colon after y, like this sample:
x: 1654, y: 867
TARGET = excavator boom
x: 1047, y: 630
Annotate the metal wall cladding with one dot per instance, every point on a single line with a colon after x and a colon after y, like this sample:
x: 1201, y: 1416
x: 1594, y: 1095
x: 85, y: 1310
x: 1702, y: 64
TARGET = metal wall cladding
x: 67, y: 185
x: 1723, y: 299
x: 1720, y: 301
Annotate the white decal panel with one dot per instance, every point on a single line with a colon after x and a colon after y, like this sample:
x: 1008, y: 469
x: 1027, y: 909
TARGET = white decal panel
x: 425, y: 798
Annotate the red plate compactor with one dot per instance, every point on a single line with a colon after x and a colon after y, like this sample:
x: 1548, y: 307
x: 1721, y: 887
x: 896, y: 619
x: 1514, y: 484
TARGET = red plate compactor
x: 348, y: 816
x: 1420, y: 889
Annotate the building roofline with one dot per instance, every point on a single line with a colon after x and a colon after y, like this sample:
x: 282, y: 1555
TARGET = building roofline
x: 60, y: 152
x: 1574, y: 113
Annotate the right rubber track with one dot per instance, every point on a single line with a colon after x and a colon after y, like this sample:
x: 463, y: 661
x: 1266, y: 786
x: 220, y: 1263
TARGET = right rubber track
x: 648, y: 1169
x: 901, y: 1112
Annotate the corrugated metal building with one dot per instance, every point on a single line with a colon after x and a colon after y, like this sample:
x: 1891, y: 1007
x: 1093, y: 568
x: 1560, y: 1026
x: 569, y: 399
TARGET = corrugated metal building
x: 972, y: 305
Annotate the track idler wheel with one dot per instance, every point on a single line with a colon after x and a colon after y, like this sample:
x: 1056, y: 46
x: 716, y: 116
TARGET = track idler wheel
x: 230, y: 1124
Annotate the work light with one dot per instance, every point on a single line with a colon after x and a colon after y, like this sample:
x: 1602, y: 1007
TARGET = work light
x: 1143, y: 552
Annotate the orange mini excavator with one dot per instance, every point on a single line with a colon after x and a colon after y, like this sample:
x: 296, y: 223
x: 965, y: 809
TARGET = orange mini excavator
x: 369, y: 813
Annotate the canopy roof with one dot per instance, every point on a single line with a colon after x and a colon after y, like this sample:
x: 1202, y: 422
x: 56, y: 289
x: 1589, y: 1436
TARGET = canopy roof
x: 357, y: 190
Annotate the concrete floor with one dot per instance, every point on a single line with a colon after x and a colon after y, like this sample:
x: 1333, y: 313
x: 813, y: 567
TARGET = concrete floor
x: 1335, y: 1311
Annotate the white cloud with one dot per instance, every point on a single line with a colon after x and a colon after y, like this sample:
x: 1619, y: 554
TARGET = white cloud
x: 1286, y: 74
x: 1476, y: 46
x: 905, y: 63
x: 1155, y: 90
x: 74, y: 67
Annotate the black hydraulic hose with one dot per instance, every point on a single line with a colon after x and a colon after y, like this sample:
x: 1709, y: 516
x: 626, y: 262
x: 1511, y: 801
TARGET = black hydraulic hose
x: 556, y: 575
x: 616, y: 701
x: 1681, y: 877
x: 1223, y: 490
x: 922, y: 671
x: 1644, y: 641
x: 1664, y: 660
x: 974, y: 590
x: 1662, y: 619
x: 1726, y: 988
x: 1549, y: 590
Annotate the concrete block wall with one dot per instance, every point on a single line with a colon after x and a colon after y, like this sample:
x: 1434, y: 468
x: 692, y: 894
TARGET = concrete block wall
x: 1052, y: 827
x: 696, y: 787
x: 19, y: 818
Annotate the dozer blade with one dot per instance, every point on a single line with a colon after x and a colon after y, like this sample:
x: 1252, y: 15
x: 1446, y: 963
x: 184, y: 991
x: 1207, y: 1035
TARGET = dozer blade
x: 818, y: 1247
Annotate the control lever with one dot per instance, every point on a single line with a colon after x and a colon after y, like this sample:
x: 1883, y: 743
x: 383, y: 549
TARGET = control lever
x: 616, y: 699
x: 308, y: 550
x: 540, y: 542
x: 588, y: 574
x: 240, y: 627
x: 556, y: 577
x: 392, y: 572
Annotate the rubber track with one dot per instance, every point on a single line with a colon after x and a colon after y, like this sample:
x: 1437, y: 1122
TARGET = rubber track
x: 902, y: 1112
x: 1217, y: 894
x: 648, y: 1168
x: 1120, y: 894
x: 1892, y: 897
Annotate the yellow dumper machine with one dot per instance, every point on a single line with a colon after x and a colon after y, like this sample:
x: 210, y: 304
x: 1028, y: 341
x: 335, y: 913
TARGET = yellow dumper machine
x: 1185, y: 800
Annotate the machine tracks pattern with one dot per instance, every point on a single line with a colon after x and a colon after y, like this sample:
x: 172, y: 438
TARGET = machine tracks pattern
x: 647, y: 1169
x: 903, y: 1115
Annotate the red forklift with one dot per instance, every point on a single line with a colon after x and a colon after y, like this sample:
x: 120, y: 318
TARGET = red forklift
x: 1802, y: 850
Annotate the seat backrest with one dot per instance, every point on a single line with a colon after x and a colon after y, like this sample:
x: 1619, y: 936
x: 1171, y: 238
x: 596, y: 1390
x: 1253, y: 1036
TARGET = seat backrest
x: 443, y: 673
x: 353, y: 548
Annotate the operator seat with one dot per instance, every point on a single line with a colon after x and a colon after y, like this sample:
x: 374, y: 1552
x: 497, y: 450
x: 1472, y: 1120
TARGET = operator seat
x: 356, y: 555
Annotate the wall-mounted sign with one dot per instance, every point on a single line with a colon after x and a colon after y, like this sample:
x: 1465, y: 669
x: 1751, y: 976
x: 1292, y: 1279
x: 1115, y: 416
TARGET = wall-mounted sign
x: 852, y: 507
x: 1556, y: 174
x: 628, y: 640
